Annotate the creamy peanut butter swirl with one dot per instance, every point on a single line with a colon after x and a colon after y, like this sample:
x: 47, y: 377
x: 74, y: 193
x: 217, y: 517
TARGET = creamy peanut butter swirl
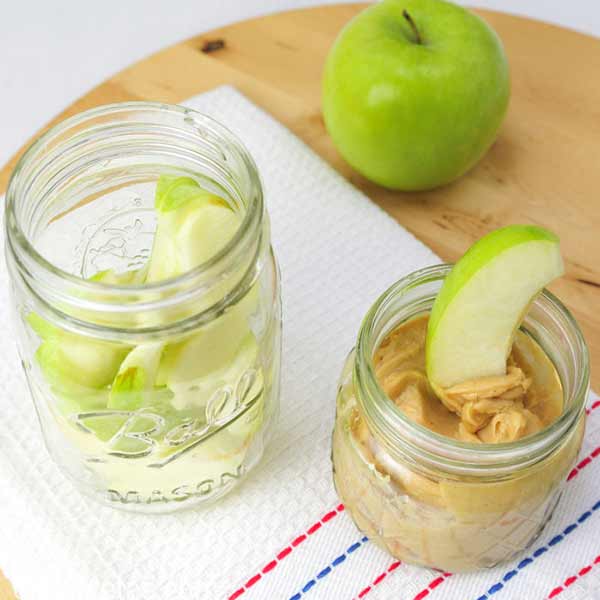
x: 490, y: 410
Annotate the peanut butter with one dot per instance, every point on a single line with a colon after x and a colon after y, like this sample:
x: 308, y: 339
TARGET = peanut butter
x: 423, y: 514
x: 489, y: 410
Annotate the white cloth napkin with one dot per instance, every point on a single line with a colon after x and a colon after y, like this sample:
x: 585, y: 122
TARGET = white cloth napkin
x: 282, y: 534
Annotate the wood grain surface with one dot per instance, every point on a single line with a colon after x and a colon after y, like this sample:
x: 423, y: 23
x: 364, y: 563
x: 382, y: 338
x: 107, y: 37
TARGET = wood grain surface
x: 543, y: 169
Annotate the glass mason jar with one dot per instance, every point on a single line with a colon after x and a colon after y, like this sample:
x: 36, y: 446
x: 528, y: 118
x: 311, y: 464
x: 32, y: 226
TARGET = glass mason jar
x: 434, y: 501
x: 81, y: 203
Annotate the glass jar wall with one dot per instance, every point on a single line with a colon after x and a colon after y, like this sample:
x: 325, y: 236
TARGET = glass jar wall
x: 152, y: 395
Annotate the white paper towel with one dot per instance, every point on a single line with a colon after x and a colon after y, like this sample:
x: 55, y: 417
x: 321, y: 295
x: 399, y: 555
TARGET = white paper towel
x: 282, y: 534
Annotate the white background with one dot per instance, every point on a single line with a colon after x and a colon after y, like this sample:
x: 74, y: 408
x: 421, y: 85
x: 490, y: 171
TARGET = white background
x: 53, y: 51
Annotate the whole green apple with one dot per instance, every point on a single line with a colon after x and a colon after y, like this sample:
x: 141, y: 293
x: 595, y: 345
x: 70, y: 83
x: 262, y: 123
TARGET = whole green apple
x: 414, y: 92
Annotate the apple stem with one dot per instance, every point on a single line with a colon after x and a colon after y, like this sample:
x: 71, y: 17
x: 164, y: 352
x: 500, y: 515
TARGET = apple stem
x: 413, y: 26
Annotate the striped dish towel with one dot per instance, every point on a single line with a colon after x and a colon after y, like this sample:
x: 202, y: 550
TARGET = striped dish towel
x: 283, y: 534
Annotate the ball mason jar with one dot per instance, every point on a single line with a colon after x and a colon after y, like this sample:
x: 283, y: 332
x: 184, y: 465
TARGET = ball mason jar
x: 433, y: 501
x: 81, y: 202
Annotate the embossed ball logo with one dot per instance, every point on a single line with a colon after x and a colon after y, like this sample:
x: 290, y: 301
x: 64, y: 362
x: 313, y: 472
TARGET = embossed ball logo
x: 144, y: 432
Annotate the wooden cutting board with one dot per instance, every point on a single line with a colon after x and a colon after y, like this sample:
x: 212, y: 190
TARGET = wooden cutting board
x: 543, y: 169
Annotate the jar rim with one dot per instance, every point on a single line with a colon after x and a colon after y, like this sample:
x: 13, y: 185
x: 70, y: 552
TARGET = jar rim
x: 391, y: 423
x: 198, y: 137
x: 20, y: 244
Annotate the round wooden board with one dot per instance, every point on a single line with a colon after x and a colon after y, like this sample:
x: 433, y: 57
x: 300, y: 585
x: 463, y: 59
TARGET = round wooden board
x: 543, y: 169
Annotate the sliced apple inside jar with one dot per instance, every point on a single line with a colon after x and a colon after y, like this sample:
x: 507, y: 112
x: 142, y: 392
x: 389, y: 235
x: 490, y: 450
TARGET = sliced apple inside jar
x: 176, y: 391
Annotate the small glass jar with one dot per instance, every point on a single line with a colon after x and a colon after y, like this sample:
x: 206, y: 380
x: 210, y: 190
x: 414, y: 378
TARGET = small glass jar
x: 81, y: 203
x: 433, y: 501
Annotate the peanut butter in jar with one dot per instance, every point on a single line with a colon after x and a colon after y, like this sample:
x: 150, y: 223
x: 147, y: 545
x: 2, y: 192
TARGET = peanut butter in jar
x: 467, y: 476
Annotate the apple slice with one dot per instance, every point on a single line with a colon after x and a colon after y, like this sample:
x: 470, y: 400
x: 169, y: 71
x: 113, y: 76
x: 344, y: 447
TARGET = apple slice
x: 134, y: 383
x: 74, y: 363
x: 111, y: 277
x: 193, y: 225
x: 66, y: 358
x: 483, y: 301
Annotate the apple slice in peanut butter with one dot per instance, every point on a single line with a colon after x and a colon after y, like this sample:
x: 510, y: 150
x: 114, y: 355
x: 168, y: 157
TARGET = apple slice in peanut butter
x: 495, y: 409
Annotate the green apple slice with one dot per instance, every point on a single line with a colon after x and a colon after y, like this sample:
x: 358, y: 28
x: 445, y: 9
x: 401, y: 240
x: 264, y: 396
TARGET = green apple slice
x: 483, y: 301
x: 193, y: 225
x: 194, y: 375
x: 110, y: 276
x: 73, y: 363
x: 69, y: 360
x: 78, y: 370
x: 174, y: 192
x: 134, y: 383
